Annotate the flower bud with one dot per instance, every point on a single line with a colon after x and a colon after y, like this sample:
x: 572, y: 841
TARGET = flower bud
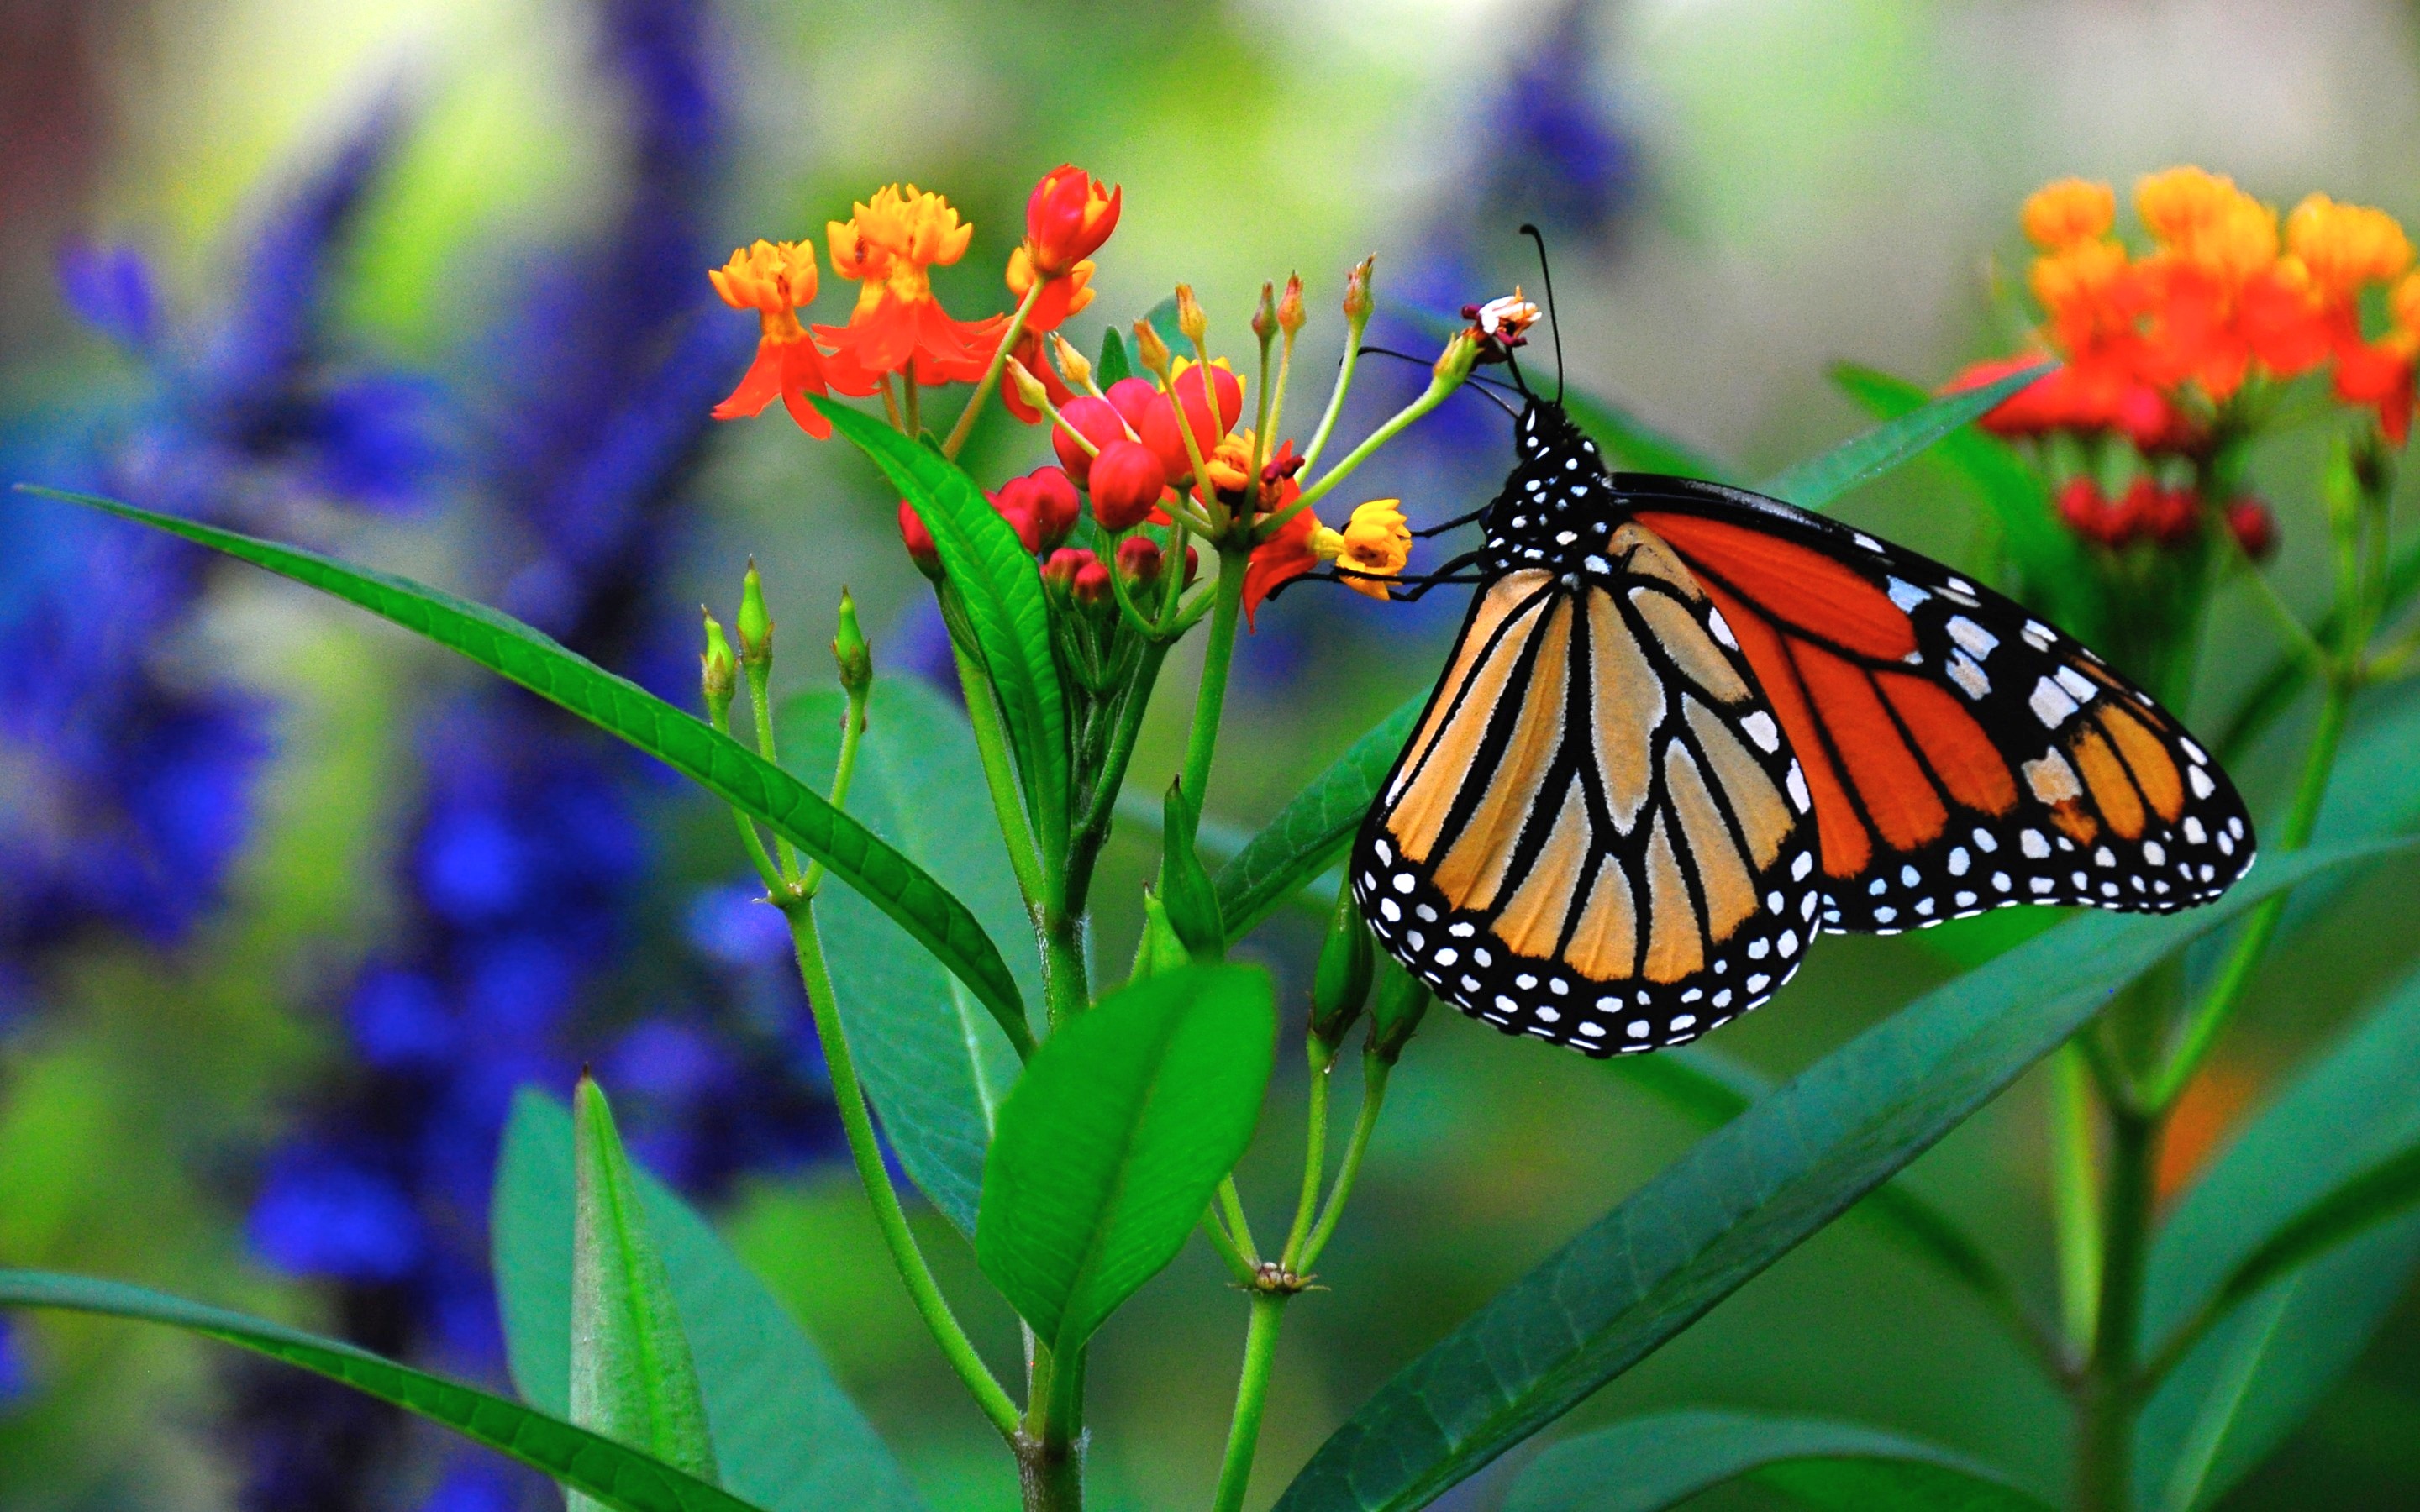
x: 1357, y: 301
x: 1133, y: 398
x: 1092, y: 588
x: 1396, y: 1006
x: 1098, y: 422
x: 1128, y: 481
x: 1059, y: 571
x: 1072, y: 364
x: 920, y: 550
x: 1138, y: 561
x: 1189, y: 316
x: 850, y: 653
x: 2130, y: 518
x: 1192, y: 565
x: 756, y: 626
x: 1055, y: 506
x: 2173, y: 516
x: 1029, y: 388
x: 2254, y: 525
x: 1159, y: 429
x: 1454, y: 364
x: 2081, y: 507
x: 1067, y: 217
x: 1149, y: 349
x: 1290, y: 316
x: 1265, y: 318
x: 718, y: 672
x: 1339, y: 987
x: 1014, y: 503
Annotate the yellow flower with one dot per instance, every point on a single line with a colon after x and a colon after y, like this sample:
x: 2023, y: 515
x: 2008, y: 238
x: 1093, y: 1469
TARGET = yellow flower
x: 889, y: 241
x: 1376, y: 543
x: 2059, y: 215
x: 2346, y: 246
x: 2204, y: 220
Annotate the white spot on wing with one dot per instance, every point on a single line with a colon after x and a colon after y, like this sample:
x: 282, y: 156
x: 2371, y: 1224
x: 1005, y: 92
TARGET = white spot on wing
x: 1973, y: 637
x: 2050, y: 703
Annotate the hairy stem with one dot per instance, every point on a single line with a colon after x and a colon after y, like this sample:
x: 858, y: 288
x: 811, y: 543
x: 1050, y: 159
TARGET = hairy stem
x: 1251, y: 1399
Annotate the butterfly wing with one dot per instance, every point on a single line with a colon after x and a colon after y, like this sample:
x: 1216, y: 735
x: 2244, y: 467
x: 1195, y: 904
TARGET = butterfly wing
x: 1597, y: 834
x: 1961, y: 754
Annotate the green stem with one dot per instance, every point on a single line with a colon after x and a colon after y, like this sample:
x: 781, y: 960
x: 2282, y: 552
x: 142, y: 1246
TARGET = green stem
x: 959, y: 432
x: 1217, y: 1230
x: 1314, y: 1152
x: 760, y: 709
x: 851, y: 731
x: 1374, y: 1097
x: 991, y: 744
x: 2227, y: 993
x: 753, y: 841
x: 1251, y: 1399
x: 1067, y: 976
x: 2109, y: 1400
x: 1434, y: 395
x: 1231, y: 1205
x: 2074, y: 1197
x: 1335, y: 401
x: 857, y: 1123
x: 1217, y: 656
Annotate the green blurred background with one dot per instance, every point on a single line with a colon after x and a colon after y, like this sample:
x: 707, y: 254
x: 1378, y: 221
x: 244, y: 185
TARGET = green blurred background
x: 200, y: 1085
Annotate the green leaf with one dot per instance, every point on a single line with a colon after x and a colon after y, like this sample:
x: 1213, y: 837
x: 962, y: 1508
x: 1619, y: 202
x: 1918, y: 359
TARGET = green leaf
x: 2047, y: 557
x: 1636, y: 445
x: 2349, y: 1111
x: 1650, y: 1464
x: 1163, y: 319
x: 1001, y: 589
x: 620, y: 707
x: 934, y: 1061
x: 622, y: 1479
x: 1313, y: 830
x: 1114, y: 1138
x: 1863, y: 457
x: 1113, y: 365
x: 632, y: 1377
x: 789, y: 1438
x: 2385, y: 1188
x: 1740, y: 1199
x: 1185, y: 890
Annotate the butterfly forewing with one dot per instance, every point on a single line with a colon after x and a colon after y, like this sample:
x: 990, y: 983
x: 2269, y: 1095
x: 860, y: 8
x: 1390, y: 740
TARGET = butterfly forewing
x: 1963, y: 755
x: 1596, y: 834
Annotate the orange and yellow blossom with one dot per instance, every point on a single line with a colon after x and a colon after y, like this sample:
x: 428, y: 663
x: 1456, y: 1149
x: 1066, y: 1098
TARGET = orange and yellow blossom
x: 775, y: 279
x: 1376, y: 543
x: 887, y: 247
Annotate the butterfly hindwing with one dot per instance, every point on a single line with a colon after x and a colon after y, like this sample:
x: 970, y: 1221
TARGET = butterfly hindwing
x: 1962, y: 754
x: 1596, y: 834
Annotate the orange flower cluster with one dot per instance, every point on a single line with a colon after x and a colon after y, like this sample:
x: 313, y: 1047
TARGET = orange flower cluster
x: 2153, y: 342
x: 887, y: 247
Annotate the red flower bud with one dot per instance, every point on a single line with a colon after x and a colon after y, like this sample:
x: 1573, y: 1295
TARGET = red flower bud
x: 1138, y: 558
x: 1159, y: 430
x: 1133, y: 398
x: 920, y: 550
x: 1098, y: 422
x: 2174, y: 515
x: 1060, y: 571
x: 1055, y: 505
x: 2254, y: 525
x: 1192, y: 565
x: 1092, y: 582
x: 1067, y: 217
x: 1128, y: 481
x: 2081, y: 507
x: 2130, y: 518
x: 1015, y: 504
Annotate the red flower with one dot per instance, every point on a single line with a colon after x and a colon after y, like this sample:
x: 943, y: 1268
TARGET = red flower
x: 1067, y: 218
x: 1279, y: 560
x: 1127, y: 480
x: 887, y: 247
x: 775, y: 279
x: 1159, y: 428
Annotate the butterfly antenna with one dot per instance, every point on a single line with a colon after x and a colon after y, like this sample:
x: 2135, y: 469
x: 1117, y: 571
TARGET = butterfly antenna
x: 1485, y: 384
x: 1554, y: 326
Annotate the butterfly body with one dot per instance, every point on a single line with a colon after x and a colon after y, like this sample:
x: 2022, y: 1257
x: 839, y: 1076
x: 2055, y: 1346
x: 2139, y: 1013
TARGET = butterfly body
x: 1686, y: 728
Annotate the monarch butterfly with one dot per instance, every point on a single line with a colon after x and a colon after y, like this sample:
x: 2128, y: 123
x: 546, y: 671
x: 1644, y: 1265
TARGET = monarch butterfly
x: 1686, y: 727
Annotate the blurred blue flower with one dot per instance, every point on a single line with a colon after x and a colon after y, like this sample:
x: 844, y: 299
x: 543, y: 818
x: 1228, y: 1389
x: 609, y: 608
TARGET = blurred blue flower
x: 1558, y: 155
x: 16, y: 1374
x: 110, y: 288
x: 321, y: 1214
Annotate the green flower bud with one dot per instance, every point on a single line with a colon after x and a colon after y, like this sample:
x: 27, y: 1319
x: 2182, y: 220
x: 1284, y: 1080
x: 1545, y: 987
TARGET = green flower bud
x: 1264, y: 319
x: 1339, y: 988
x: 756, y: 626
x: 850, y: 653
x: 718, y: 672
x: 1357, y: 301
x: 1160, y: 949
x: 1395, y: 1010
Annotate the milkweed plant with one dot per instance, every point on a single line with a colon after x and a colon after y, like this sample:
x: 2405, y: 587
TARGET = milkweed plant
x: 1078, y: 1119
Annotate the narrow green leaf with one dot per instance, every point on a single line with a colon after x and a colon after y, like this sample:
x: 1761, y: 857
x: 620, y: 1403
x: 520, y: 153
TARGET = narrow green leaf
x: 1185, y: 890
x: 1113, y: 365
x: 1001, y: 588
x: 1743, y: 1197
x: 1637, y: 446
x: 632, y: 1377
x: 934, y: 1061
x: 2347, y: 1112
x: 2386, y: 1188
x: 1313, y: 829
x: 1650, y: 1464
x: 1112, y: 1143
x: 2047, y: 556
x: 789, y: 1439
x: 620, y: 1477
x: 622, y: 708
x: 1863, y: 457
